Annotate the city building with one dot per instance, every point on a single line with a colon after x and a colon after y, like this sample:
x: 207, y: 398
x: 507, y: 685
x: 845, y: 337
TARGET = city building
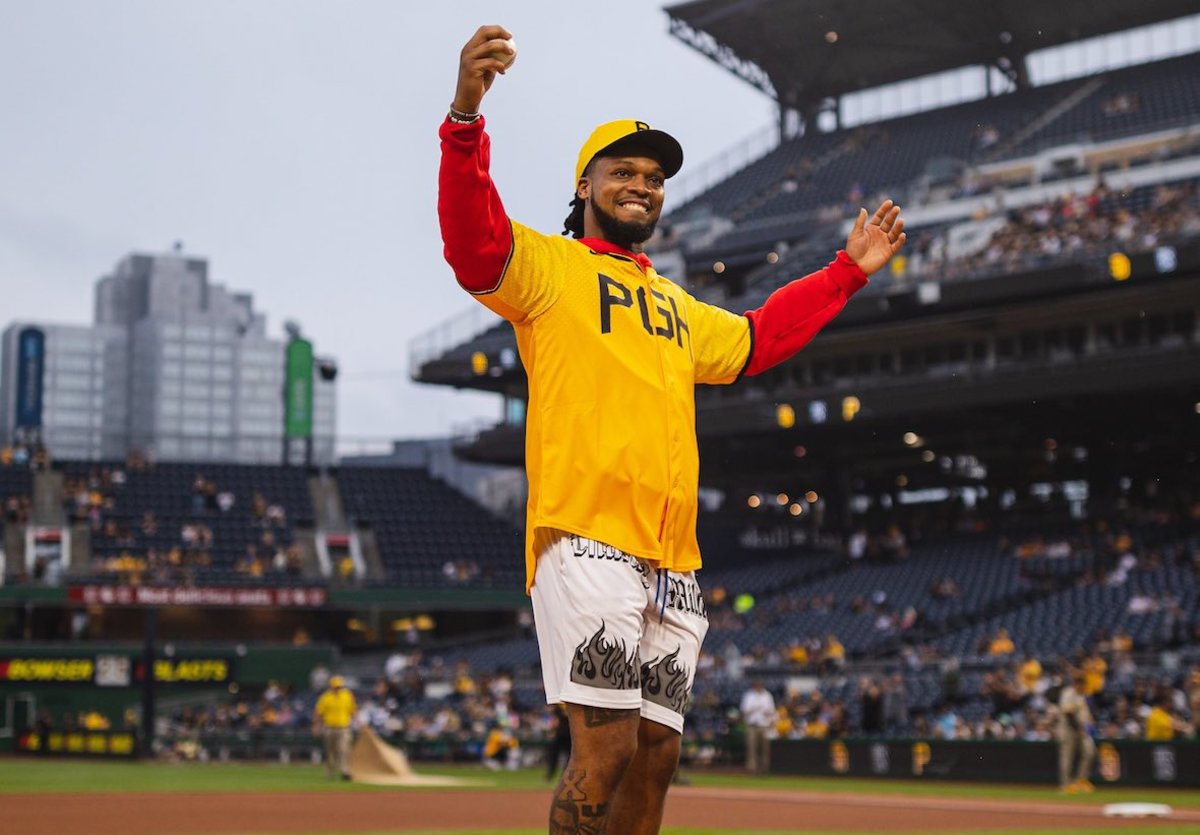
x: 173, y: 366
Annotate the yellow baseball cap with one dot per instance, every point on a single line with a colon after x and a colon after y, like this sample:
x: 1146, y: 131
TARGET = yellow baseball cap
x: 668, y: 151
x: 337, y: 681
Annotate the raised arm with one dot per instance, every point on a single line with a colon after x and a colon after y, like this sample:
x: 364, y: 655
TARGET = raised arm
x: 475, y: 228
x: 794, y: 313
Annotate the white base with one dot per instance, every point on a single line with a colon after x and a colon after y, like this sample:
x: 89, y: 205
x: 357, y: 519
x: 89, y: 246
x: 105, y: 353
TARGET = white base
x: 1137, y: 810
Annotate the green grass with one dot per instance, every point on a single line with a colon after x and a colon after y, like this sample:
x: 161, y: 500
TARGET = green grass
x: 30, y: 775
x: 26, y: 775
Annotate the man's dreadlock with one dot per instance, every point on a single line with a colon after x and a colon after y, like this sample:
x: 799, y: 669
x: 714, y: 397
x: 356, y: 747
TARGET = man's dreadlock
x: 573, y: 225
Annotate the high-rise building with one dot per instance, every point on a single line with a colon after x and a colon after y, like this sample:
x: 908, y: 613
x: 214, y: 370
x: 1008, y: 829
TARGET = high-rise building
x: 174, y: 366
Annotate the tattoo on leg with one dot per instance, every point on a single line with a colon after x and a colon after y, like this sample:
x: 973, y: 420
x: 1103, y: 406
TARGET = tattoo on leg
x: 570, y: 814
x: 594, y: 717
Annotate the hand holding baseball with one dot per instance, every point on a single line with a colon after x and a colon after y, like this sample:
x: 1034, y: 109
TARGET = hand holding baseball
x: 490, y: 51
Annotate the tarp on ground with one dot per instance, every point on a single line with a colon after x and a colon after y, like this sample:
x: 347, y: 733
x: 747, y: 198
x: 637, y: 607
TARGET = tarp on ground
x: 374, y: 762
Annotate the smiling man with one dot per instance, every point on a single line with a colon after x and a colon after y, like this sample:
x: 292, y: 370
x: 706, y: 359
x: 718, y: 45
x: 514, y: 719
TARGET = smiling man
x: 613, y: 352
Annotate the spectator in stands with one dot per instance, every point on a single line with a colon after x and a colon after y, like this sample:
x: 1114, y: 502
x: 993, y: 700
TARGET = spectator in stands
x: 1120, y: 104
x: 893, y: 544
x: 951, y: 680
x: 945, y: 588
x: 1192, y: 693
x: 856, y: 545
x: 986, y: 136
x: 464, y: 682
x: 797, y: 653
x: 1095, y: 670
x: 258, y: 508
x: 895, y: 702
x: 758, y: 715
x: 871, y: 696
x: 1029, y: 675
x: 1162, y: 724
x: 833, y: 654
x: 249, y: 564
x: 1172, y: 628
x: 1001, y: 643
x: 332, y: 719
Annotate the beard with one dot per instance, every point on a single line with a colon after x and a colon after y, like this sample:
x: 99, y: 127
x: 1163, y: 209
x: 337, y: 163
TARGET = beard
x: 624, y: 234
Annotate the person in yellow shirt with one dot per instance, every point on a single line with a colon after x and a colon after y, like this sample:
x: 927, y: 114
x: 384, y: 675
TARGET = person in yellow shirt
x: 1029, y: 673
x: 1162, y: 724
x: 1002, y: 644
x: 833, y: 654
x: 333, y: 717
x: 501, y: 748
x: 613, y: 352
x: 1095, y: 669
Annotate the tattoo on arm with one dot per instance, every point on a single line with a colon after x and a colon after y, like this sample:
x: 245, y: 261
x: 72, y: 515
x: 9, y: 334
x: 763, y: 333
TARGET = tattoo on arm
x: 594, y: 717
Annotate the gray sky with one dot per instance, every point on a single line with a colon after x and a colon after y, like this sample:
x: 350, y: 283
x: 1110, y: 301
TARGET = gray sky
x: 293, y: 143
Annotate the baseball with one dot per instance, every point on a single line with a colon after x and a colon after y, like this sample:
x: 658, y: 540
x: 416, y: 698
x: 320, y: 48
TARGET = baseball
x: 507, y: 57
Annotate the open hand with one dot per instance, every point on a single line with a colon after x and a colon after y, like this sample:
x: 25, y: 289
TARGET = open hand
x: 478, y: 65
x: 873, y: 243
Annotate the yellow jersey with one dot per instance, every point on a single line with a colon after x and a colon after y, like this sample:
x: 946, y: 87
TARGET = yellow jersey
x: 613, y: 352
x: 1159, y: 726
x: 336, y: 708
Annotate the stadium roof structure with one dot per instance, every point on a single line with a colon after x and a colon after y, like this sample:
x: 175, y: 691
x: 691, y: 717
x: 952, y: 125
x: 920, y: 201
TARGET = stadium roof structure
x: 804, y: 51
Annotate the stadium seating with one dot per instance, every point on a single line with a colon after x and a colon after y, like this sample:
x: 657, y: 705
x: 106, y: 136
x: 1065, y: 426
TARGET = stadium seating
x: 166, y: 491
x: 1134, y: 100
x: 786, y: 200
x: 422, y: 526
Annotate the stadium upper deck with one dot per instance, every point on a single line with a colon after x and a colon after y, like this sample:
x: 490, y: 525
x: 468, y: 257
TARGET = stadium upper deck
x: 1001, y: 324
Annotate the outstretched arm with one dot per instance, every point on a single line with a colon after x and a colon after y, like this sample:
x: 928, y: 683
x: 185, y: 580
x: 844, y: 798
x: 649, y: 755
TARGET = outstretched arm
x: 796, y: 312
x: 475, y: 228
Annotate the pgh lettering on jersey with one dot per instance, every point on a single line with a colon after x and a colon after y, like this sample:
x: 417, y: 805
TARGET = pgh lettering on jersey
x: 614, y: 292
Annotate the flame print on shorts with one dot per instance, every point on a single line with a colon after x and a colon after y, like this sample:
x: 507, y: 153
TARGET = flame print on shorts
x: 601, y: 661
x: 665, y: 682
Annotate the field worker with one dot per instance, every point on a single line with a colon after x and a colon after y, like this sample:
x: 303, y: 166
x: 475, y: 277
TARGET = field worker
x: 613, y: 352
x: 332, y: 718
x: 1076, y: 750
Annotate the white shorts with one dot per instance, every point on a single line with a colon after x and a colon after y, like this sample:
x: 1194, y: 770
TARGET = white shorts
x: 613, y: 631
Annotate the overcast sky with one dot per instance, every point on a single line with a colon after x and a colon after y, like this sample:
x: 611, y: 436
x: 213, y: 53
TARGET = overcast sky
x: 293, y: 143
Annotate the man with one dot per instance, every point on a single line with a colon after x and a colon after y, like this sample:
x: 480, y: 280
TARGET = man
x: 1076, y: 749
x: 332, y: 718
x: 613, y: 352
x: 758, y: 714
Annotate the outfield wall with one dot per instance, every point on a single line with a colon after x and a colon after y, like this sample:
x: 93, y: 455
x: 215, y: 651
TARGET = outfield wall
x: 68, y: 679
x: 1126, y: 762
